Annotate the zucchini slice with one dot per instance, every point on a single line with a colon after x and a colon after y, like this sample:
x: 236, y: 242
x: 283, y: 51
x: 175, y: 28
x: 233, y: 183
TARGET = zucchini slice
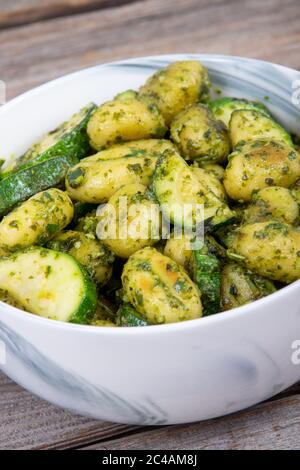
x: 247, y: 125
x: 224, y: 107
x: 178, y: 191
x: 128, y: 316
x: 239, y: 286
x: 50, y: 284
x: 205, y: 269
x: 81, y: 209
x: 21, y: 185
x: 90, y: 252
x: 70, y: 139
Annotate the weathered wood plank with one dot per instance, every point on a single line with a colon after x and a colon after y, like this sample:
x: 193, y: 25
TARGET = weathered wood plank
x: 32, y: 54
x: 269, y: 426
x: 27, y: 422
x: 20, y: 12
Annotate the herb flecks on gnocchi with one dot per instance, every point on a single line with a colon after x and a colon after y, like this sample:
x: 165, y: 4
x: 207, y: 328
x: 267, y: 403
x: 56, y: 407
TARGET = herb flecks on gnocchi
x: 95, y: 179
x: 88, y: 251
x: 259, y: 164
x: 36, y: 220
x: 177, y: 86
x: 160, y: 289
x: 130, y: 221
x: 155, y: 207
x: 122, y: 120
x: 270, y: 249
x: 273, y: 202
x: 199, y: 136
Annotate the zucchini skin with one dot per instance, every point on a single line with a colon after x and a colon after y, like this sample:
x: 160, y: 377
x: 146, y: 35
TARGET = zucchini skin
x: 128, y: 316
x: 90, y: 252
x: 250, y: 125
x: 240, y: 286
x: 44, y: 271
x: 80, y: 210
x: 20, y: 186
x: 174, y: 183
x: 74, y: 143
x: 88, y: 304
x: 206, y: 273
x: 224, y: 107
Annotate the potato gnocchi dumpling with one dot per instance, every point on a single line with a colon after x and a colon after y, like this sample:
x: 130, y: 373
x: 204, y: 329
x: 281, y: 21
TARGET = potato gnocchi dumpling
x: 158, y: 206
x: 130, y: 221
x: 36, y: 220
x: 257, y: 165
x: 159, y: 289
x: 270, y: 249
x: 138, y: 148
x: 199, y: 135
x: 179, y: 250
x: 248, y: 125
x: 239, y: 286
x: 88, y: 251
x: 177, y: 86
x: 273, y: 203
x: 88, y: 223
x: 96, y: 180
x: 122, y: 120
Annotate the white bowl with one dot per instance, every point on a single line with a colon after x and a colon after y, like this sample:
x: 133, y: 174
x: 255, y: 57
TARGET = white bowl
x: 158, y: 374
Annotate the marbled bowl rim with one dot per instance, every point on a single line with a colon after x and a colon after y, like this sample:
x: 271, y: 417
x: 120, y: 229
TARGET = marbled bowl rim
x: 244, y: 310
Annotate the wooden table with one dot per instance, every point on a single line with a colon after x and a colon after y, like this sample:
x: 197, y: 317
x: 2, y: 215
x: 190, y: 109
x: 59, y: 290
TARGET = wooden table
x: 41, y: 40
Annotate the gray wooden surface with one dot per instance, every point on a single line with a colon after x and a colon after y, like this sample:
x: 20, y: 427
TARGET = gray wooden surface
x: 41, y: 40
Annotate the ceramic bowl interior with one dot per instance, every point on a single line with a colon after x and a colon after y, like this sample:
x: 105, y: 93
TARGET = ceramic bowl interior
x: 159, y: 374
x: 274, y: 85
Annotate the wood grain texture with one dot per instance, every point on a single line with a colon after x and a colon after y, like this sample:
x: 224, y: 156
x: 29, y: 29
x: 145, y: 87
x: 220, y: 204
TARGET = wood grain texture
x: 19, y: 12
x: 36, y: 53
x: 269, y: 426
x: 27, y: 422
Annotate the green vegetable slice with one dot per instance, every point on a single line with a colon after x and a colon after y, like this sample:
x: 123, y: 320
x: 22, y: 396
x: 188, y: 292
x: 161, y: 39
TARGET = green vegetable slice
x: 68, y: 140
x: 177, y: 189
x: 206, y: 272
x: 224, y: 107
x: 128, y: 316
x: 21, y: 185
x: 50, y: 284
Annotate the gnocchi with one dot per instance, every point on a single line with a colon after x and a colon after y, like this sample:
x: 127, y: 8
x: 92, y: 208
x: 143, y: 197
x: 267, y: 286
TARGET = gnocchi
x: 199, y: 136
x: 257, y: 165
x: 159, y: 289
x: 270, y: 249
x: 130, y: 221
x: 36, y: 220
x: 96, y: 180
x: 174, y: 88
x: 158, y: 206
x: 122, y: 120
